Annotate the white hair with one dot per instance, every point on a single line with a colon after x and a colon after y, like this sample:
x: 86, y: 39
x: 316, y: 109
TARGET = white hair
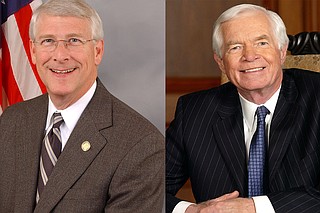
x: 276, y: 22
x: 73, y: 8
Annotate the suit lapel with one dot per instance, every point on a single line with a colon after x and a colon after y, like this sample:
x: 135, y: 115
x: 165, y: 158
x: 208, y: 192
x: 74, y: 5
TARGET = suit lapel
x: 230, y: 137
x: 73, y: 161
x: 282, y: 124
x: 28, y: 152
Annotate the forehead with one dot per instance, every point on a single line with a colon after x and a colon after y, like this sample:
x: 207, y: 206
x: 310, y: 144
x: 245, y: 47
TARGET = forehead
x: 247, y: 25
x: 62, y: 25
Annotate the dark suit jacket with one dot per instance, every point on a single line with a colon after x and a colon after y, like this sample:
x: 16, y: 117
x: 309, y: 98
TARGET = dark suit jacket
x: 122, y: 172
x: 206, y: 143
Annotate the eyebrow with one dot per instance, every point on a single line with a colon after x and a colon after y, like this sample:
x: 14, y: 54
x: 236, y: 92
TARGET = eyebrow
x: 66, y: 36
x: 261, y: 37
x: 230, y: 43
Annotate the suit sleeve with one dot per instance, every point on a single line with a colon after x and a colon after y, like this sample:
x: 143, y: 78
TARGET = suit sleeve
x: 176, y: 168
x: 296, y: 200
x: 138, y: 184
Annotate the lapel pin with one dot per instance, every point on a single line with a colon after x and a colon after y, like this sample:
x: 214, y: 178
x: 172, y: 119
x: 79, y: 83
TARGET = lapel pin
x: 85, y: 146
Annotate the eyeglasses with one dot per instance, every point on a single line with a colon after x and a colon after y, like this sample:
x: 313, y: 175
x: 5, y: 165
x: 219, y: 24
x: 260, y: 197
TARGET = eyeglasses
x: 49, y: 44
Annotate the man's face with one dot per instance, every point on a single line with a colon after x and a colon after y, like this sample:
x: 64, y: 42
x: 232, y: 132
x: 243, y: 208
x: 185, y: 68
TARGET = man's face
x: 250, y: 55
x: 67, y: 72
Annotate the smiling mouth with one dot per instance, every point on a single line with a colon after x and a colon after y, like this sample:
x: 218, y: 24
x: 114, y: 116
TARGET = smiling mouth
x: 63, y: 71
x: 253, y: 70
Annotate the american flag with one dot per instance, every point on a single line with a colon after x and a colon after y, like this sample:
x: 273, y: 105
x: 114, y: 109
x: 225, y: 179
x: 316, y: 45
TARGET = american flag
x: 19, y: 79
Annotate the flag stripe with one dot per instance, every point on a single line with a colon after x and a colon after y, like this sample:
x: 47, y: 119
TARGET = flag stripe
x: 35, y: 4
x: 8, y: 81
x: 19, y: 79
x: 27, y: 83
x: 23, y: 18
x: 0, y: 75
x: 5, y: 102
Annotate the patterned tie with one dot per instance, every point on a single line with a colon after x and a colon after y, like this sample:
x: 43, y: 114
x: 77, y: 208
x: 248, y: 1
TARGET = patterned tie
x: 50, y: 151
x: 257, y: 156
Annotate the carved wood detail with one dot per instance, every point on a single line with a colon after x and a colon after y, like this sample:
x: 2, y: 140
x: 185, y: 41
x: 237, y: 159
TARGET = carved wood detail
x: 304, y: 43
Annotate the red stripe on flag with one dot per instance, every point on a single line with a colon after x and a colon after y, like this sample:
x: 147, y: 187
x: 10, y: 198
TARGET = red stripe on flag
x: 0, y: 79
x: 3, y: 97
x: 23, y: 17
x: 8, y: 81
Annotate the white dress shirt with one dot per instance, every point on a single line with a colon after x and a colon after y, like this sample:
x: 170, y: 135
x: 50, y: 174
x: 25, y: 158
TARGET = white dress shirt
x: 262, y: 203
x: 70, y: 115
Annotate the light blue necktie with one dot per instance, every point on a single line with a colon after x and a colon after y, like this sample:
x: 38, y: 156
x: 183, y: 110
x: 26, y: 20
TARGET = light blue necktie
x: 257, y: 156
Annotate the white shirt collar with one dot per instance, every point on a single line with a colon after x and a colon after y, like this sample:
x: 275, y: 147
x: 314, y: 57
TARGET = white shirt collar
x: 249, y: 108
x: 71, y: 114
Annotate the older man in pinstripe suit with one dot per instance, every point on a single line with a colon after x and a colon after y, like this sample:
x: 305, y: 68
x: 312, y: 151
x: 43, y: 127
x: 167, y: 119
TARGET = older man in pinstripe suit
x: 209, y: 139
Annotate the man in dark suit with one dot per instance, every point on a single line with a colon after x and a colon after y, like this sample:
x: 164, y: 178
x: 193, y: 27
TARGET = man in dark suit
x: 110, y: 159
x: 212, y: 136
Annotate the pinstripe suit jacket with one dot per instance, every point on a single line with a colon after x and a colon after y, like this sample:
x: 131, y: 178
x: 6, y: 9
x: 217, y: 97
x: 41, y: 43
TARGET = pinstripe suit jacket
x: 206, y: 143
x: 122, y: 171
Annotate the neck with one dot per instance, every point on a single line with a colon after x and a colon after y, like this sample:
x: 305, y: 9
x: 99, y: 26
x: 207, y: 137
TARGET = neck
x: 258, y: 96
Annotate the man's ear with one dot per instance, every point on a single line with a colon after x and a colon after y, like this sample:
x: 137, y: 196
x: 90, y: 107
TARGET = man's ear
x: 99, y: 50
x: 283, y: 54
x: 219, y: 62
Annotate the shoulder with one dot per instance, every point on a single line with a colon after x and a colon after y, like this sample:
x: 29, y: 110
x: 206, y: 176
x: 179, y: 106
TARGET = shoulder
x: 127, y: 125
x: 24, y: 108
x: 301, y: 74
x: 16, y: 118
x: 304, y: 82
x: 215, y: 96
x: 302, y: 78
x: 124, y: 114
x: 133, y: 126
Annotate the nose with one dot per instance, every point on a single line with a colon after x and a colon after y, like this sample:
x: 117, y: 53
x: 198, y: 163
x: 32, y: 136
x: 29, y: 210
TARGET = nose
x: 61, y: 52
x: 249, y: 54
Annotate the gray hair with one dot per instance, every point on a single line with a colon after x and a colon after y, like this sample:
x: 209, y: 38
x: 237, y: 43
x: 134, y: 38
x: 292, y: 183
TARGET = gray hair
x: 279, y: 29
x: 73, y: 8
